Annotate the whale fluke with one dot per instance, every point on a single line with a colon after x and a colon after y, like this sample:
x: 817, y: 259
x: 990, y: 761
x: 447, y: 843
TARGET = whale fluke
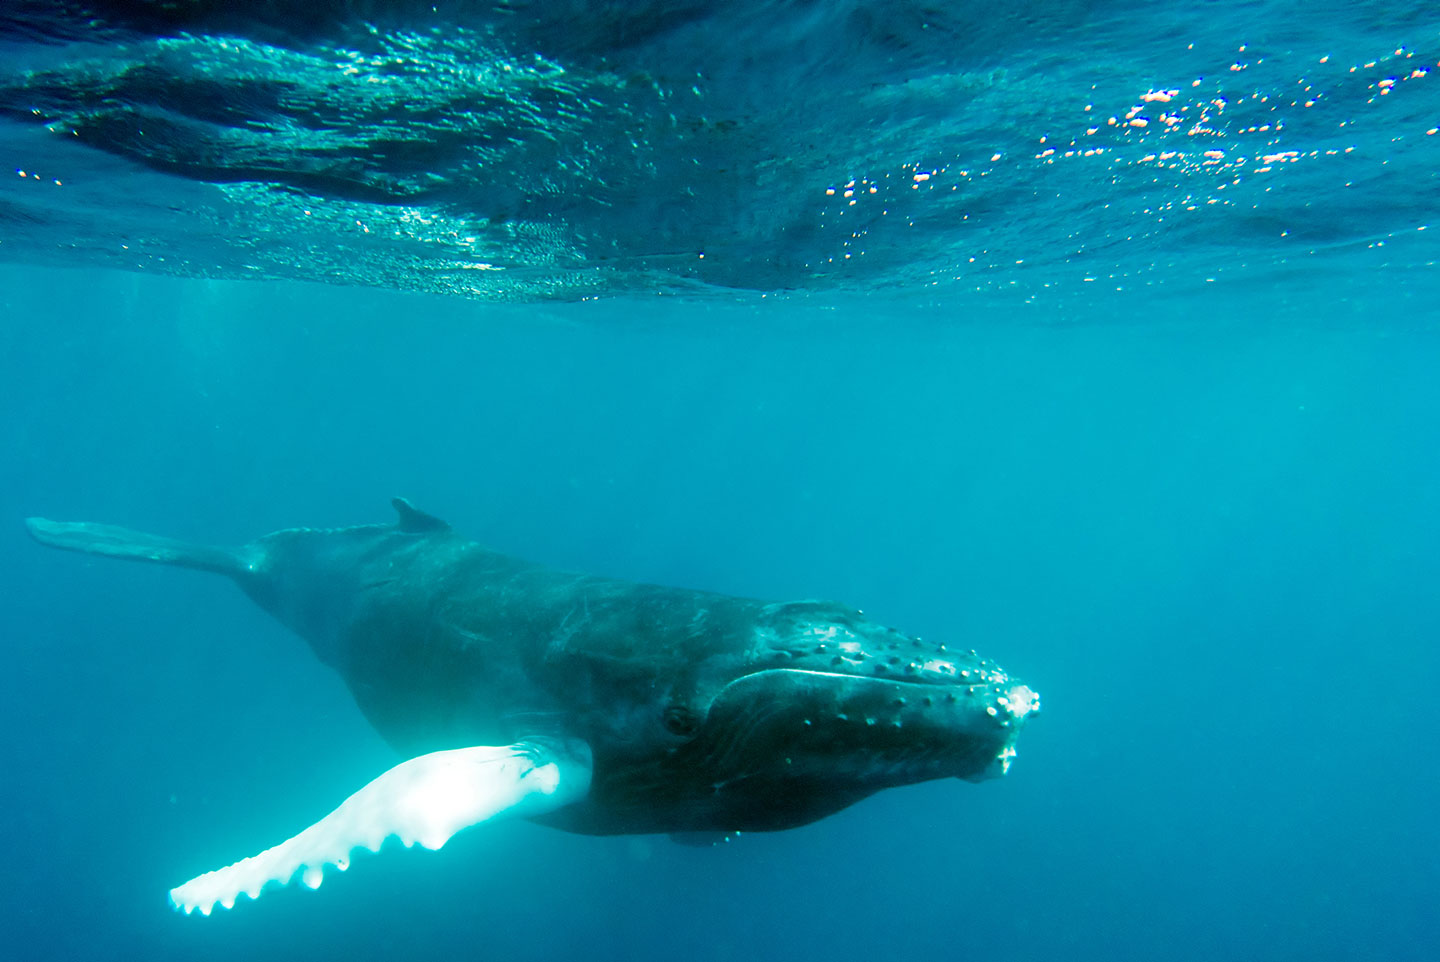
x: 117, y: 542
x: 426, y: 799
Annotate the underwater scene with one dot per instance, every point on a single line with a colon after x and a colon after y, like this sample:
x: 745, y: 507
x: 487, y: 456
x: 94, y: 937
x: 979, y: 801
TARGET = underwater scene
x: 765, y: 480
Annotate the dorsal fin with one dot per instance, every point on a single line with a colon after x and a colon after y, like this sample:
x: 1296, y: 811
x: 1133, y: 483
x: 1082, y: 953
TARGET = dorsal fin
x: 413, y: 520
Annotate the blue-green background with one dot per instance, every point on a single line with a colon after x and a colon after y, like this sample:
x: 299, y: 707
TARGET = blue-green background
x: 1209, y: 539
x: 1099, y: 336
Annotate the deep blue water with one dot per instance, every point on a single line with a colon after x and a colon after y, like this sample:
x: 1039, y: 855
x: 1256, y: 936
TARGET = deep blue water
x: 1192, y: 501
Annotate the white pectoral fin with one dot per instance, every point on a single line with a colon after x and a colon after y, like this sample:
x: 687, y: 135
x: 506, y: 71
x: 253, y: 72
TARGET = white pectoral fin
x: 426, y: 799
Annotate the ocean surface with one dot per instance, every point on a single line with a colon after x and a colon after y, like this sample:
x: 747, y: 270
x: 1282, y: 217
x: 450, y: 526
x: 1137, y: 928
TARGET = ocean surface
x: 1102, y: 337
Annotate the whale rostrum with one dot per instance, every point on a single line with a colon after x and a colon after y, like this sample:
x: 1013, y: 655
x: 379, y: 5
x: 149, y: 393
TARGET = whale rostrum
x: 589, y: 704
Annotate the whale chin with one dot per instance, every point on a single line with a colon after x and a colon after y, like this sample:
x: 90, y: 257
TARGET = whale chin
x: 863, y: 730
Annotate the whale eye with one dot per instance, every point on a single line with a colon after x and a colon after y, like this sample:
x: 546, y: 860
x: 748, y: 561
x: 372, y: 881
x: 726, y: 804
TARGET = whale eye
x: 681, y: 720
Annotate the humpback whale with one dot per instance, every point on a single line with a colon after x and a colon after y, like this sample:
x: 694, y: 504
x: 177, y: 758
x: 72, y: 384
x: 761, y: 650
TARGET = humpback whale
x: 589, y: 704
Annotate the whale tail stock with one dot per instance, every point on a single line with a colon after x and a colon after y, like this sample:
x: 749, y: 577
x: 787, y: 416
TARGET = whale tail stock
x: 116, y: 542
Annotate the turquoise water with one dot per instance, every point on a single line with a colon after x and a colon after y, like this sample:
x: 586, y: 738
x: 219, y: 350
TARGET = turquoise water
x: 1174, y: 468
x: 567, y: 150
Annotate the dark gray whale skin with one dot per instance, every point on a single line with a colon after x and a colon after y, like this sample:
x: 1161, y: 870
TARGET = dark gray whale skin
x: 703, y: 712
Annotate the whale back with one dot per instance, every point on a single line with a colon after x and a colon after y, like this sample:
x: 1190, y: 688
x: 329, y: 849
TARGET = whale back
x: 444, y: 642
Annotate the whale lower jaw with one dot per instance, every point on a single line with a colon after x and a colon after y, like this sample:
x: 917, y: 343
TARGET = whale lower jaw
x: 822, y: 729
x: 424, y: 800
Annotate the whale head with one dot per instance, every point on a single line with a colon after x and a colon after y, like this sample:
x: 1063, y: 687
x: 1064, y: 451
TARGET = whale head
x: 823, y: 709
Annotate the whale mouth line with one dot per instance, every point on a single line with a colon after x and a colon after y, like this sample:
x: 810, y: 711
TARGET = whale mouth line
x: 927, y: 685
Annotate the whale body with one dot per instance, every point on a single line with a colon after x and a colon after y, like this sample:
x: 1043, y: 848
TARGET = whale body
x: 589, y: 704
